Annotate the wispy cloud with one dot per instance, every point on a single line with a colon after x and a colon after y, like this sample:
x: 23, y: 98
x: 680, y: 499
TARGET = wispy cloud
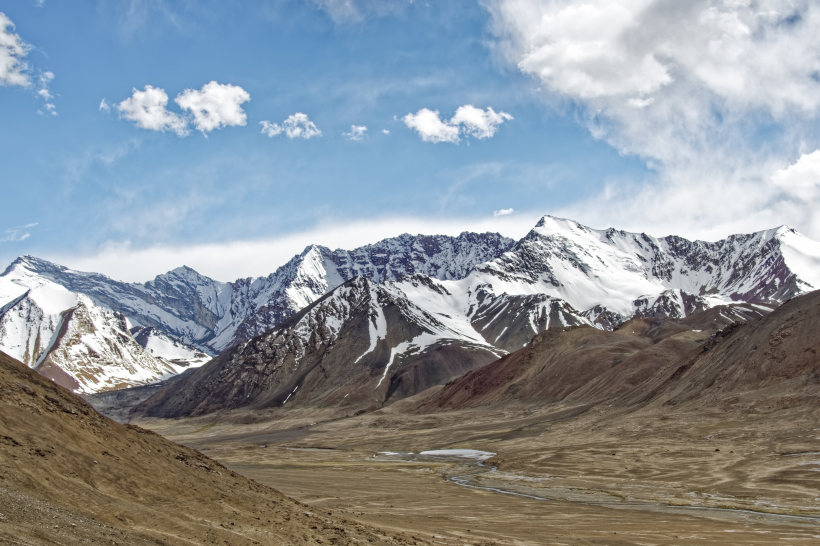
x: 357, y: 132
x: 503, y: 212
x: 19, y: 233
x: 355, y: 11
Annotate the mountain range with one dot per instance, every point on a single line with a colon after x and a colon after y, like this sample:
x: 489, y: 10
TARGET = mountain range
x: 384, y: 321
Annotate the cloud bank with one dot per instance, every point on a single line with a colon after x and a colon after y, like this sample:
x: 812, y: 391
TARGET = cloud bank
x: 715, y: 95
x: 468, y: 120
x: 238, y: 259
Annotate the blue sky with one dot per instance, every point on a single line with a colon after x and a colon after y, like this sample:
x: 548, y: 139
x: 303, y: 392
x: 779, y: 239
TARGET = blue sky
x: 92, y: 189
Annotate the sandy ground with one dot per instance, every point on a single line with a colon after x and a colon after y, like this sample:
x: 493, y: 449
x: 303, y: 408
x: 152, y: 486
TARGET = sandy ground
x: 562, y: 478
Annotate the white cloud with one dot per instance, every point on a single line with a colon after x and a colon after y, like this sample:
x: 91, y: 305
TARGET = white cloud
x: 429, y: 126
x: 215, y: 105
x: 147, y: 109
x: 237, y: 259
x: 687, y: 87
x: 296, y: 126
x: 467, y: 119
x: 357, y: 132
x: 13, y: 69
x: 477, y: 122
x: 503, y: 212
x: 385, y: 131
x: 104, y: 106
x: 270, y: 129
x: 801, y: 180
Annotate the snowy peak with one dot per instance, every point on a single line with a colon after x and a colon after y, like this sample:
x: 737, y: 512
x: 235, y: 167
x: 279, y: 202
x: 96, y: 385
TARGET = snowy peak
x: 438, y: 256
x: 614, y: 269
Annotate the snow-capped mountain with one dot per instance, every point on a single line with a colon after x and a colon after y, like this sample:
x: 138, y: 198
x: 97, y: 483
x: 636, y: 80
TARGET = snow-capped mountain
x: 612, y: 275
x: 77, y: 343
x: 359, y: 345
x: 213, y: 315
x: 490, y: 291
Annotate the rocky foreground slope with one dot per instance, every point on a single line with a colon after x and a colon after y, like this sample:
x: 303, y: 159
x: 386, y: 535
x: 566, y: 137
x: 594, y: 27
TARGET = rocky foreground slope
x: 69, y: 476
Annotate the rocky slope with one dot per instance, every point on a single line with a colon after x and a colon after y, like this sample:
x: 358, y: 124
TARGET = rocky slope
x: 70, y: 476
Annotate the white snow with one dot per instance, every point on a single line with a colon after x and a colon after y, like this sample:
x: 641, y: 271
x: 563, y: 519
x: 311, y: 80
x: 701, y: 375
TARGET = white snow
x: 462, y: 453
x: 377, y: 325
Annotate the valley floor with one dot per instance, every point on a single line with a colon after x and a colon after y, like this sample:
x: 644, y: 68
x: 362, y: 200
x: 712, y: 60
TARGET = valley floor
x: 570, y: 476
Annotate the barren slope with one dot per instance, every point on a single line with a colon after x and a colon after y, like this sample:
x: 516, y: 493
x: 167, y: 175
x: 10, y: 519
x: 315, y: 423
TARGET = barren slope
x: 69, y: 475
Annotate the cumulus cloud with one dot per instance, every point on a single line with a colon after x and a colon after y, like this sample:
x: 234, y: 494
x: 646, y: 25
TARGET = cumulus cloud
x: 296, y: 126
x: 357, y: 132
x: 385, y: 131
x: 212, y: 107
x: 468, y: 120
x: 147, y: 109
x: 477, y: 122
x: 427, y: 123
x: 215, y: 105
x: 503, y: 212
x: 690, y: 87
x: 13, y: 69
x: 104, y: 106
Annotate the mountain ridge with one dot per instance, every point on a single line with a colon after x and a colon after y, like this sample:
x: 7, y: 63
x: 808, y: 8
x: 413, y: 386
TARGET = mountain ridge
x: 500, y: 292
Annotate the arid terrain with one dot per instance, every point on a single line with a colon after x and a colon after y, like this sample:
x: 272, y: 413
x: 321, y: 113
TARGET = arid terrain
x: 594, y: 478
x: 71, y: 476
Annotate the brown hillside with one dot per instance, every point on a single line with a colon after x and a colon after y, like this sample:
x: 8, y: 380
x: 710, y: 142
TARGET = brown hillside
x: 771, y: 363
x: 69, y: 475
x: 552, y: 366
